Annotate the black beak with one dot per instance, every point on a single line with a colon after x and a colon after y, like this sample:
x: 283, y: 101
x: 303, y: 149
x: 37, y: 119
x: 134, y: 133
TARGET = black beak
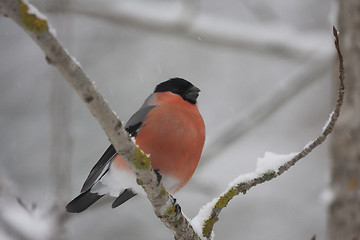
x: 192, y: 94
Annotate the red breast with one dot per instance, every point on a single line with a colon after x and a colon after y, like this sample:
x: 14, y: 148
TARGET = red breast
x: 173, y: 133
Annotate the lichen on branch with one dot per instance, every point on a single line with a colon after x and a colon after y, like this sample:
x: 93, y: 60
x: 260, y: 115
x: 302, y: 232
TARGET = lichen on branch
x: 31, y: 21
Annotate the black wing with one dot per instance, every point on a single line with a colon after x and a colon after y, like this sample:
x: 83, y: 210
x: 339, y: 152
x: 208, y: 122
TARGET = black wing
x: 98, y: 168
x: 86, y: 197
x: 82, y: 202
x: 132, y: 127
x: 123, y: 197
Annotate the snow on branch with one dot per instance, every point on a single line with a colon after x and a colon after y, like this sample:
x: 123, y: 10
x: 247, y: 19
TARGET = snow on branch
x: 269, y: 167
x: 37, y: 27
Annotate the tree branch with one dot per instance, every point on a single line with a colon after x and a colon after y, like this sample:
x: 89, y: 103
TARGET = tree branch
x: 245, y: 182
x: 37, y: 27
x: 205, y: 29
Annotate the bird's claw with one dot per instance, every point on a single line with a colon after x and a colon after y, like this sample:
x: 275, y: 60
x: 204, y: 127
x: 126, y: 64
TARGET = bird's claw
x: 158, y: 176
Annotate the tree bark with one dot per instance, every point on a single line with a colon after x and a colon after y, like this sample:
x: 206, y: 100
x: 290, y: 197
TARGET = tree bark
x: 344, y: 211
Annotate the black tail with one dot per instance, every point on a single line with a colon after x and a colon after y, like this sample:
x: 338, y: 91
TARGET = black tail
x: 82, y: 202
x: 124, y: 196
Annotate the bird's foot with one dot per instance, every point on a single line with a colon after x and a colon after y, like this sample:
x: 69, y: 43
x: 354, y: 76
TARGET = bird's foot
x: 158, y: 175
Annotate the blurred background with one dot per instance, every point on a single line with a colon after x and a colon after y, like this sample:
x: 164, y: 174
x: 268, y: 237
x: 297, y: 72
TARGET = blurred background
x: 265, y: 73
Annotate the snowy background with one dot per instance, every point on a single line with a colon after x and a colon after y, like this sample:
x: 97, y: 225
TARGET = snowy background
x: 39, y: 113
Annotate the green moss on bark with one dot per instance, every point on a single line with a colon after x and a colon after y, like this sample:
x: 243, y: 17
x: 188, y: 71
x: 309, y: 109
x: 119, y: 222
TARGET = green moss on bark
x: 208, y: 227
x: 30, y: 21
x: 223, y: 201
x: 170, y: 211
x: 140, y: 160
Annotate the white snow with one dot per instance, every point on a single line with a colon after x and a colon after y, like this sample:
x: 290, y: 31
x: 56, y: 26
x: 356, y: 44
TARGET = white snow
x: 34, y: 11
x: 243, y: 178
x: 308, y: 144
x: 199, y: 220
x: 122, y: 122
x: 52, y: 30
x: 328, y: 121
x: 272, y: 161
x: 75, y: 61
x: 133, y: 139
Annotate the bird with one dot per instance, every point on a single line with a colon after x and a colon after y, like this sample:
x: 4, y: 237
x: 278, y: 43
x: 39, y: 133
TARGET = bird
x: 169, y: 128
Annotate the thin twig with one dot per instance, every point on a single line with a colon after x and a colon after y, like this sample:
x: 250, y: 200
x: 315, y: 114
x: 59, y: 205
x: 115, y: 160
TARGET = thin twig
x: 36, y: 26
x: 243, y: 187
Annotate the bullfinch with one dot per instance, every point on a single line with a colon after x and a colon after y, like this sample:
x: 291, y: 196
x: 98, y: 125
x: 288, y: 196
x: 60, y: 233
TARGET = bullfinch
x: 168, y: 127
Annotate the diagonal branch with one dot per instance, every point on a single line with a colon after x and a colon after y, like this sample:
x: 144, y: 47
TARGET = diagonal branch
x: 37, y: 27
x: 243, y: 183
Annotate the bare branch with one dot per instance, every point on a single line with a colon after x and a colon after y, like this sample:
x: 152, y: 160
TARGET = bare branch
x: 205, y: 29
x: 252, y: 179
x: 36, y: 26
